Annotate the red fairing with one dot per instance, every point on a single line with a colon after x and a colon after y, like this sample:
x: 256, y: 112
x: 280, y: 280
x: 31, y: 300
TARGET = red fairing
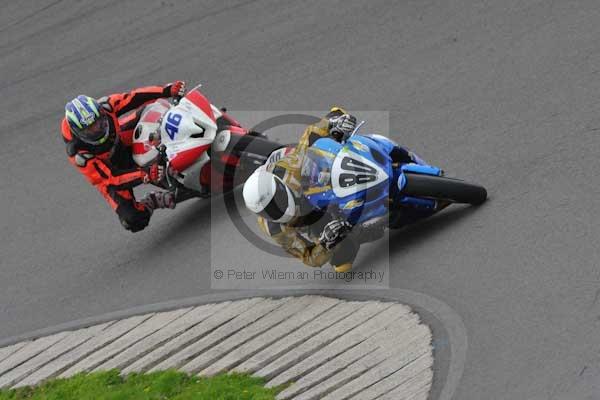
x: 215, y: 179
x: 201, y: 102
x: 186, y: 158
x: 140, y: 148
x: 230, y: 159
x: 231, y: 120
x: 237, y: 130
x: 205, y: 174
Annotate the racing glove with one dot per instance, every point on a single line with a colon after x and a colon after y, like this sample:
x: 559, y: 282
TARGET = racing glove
x: 334, y: 232
x: 341, y: 127
x: 175, y: 89
x: 155, y: 200
x: 154, y: 173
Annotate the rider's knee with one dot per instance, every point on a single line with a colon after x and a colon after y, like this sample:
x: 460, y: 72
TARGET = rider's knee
x: 132, y: 219
x: 343, y: 267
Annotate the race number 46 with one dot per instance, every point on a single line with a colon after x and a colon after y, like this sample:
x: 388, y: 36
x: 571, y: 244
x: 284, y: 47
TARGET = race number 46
x: 172, y: 124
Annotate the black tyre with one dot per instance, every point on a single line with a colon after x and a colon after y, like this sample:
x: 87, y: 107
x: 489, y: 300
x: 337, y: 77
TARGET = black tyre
x: 251, y: 147
x: 443, y: 188
x: 253, y: 152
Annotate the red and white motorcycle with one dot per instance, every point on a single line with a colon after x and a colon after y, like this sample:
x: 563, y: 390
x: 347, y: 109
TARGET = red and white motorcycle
x: 204, y: 149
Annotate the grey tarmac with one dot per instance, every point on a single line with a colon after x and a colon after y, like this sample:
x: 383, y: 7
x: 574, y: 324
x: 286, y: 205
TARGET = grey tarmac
x: 503, y: 93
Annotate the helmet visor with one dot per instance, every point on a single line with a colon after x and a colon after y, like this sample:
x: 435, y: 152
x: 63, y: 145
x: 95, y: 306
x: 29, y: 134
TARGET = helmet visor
x: 97, y: 133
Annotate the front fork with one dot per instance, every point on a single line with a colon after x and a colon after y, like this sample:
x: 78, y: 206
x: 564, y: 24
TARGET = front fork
x: 420, y: 167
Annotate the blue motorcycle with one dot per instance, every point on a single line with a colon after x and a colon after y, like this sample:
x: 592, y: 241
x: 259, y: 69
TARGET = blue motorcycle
x: 370, y: 178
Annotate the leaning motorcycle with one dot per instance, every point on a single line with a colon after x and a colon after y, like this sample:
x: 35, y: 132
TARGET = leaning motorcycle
x: 359, y: 181
x: 200, y: 145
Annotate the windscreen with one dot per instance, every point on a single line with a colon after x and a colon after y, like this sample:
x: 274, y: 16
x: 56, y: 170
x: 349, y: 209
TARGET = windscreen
x: 316, y: 169
x: 154, y: 112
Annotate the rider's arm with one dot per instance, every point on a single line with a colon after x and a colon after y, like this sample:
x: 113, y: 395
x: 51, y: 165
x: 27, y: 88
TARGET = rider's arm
x: 121, y: 103
x: 317, y: 131
x: 109, y: 182
x: 311, y: 254
x: 120, y: 179
x: 311, y: 134
x: 116, y: 188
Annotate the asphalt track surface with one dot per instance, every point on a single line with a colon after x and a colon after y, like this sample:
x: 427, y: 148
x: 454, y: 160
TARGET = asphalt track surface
x: 505, y: 93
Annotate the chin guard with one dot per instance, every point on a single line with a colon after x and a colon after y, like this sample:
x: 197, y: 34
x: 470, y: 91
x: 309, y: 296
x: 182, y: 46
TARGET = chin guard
x: 81, y: 159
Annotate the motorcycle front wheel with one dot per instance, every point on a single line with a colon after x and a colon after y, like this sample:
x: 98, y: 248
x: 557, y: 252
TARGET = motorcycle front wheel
x: 443, y: 188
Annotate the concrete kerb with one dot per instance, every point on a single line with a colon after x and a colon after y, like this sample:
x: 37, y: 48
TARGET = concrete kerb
x: 449, y: 334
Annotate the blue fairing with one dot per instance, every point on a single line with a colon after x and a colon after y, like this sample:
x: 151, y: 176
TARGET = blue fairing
x: 355, y: 205
x: 327, y: 145
x: 357, y: 180
x: 386, y: 144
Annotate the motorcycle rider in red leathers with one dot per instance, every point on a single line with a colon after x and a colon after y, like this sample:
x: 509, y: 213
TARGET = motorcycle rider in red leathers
x: 99, y: 134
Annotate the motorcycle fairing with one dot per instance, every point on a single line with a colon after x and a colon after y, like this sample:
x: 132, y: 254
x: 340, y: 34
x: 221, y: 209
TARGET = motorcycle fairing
x: 189, y: 125
x: 147, y: 131
x: 187, y: 130
x: 354, y: 177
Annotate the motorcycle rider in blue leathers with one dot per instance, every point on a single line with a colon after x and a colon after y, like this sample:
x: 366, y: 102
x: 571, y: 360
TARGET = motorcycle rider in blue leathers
x: 313, y: 235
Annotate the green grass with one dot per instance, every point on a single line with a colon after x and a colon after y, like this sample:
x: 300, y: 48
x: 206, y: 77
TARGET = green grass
x: 167, y: 385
